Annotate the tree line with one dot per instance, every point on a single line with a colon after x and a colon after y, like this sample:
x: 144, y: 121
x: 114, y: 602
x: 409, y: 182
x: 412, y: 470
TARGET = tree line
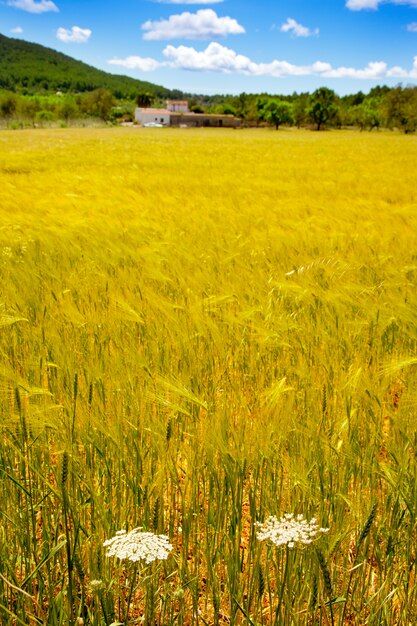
x: 20, y: 110
x: 382, y: 107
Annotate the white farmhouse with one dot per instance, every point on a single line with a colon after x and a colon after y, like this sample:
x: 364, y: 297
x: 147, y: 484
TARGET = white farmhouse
x: 153, y: 116
x: 178, y: 114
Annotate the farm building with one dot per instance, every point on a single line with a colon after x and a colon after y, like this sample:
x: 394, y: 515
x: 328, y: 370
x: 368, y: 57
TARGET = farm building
x: 177, y: 106
x: 153, y: 116
x: 176, y: 113
x: 203, y: 119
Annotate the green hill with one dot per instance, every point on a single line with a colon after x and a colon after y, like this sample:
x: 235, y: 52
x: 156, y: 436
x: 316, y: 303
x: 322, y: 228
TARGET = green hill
x: 30, y: 68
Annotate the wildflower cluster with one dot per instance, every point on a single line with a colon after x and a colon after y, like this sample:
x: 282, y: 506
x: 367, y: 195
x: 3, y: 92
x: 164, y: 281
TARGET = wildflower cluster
x: 138, y: 546
x: 289, y: 530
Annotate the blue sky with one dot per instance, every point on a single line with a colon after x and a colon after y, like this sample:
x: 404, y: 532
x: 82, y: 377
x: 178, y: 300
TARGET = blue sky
x: 230, y: 46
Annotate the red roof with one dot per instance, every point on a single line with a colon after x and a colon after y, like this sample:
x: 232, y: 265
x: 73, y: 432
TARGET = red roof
x: 156, y: 111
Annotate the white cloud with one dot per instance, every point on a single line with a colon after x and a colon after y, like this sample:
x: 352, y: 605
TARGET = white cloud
x: 398, y: 72
x: 412, y: 28
x: 143, y: 64
x: 17, y: 31
x: 218, y: 58
x: 32, y: 6
x: 298, y: 30
x: 374, y: 69
x: 215, y: 57
x: 74, y: 34
x: 221, y: 59
x: 204, y: 24
x: 359, y: 5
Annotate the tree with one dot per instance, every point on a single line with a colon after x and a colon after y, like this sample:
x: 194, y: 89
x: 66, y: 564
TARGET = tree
x: 278, y: 112
x: 367, y: 114
x: 195, y: 106
x: 379, y: 91
x: 354, y: 99
x: 8, y: 104
x: 228, y: 109
x: 261, y: 104
x: 67, y: 109
x: 401, y: 108
x: 241, y: 104
x: 44, y: 116
x: 99, y: 103
x: 323, y: 106
x: 144, y: 99
x: 299, y: 108
x: 28, y: 108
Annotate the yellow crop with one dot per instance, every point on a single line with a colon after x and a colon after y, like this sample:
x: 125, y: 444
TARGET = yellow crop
x: 211, y: 327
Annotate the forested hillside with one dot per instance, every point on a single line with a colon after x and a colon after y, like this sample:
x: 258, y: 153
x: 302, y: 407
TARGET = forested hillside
x: 32, y: 69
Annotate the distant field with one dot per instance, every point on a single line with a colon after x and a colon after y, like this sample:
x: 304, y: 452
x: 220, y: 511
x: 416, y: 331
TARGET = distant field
x: 200, y: 329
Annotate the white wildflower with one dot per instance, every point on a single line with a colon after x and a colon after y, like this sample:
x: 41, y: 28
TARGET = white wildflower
x: 97, y: 585
x: 289, y: 530
x: 138, y: 546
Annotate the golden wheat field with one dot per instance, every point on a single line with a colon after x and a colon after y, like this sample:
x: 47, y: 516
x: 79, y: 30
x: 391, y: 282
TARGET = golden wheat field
x: 200, y: 330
